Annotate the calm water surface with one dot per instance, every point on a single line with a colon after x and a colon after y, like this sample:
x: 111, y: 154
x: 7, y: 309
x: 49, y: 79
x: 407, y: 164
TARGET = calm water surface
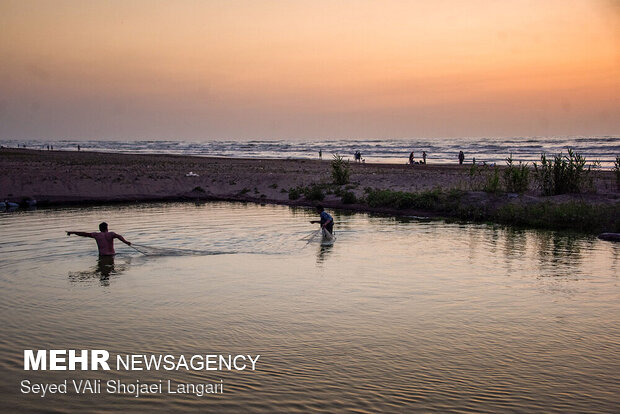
x: 398, y: 315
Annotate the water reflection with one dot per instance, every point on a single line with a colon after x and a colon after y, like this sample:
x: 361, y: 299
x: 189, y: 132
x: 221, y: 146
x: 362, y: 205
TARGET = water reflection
x: 439, y: 312
x: 323, y: 253
x: 104, y: 268
x: 559, y: 255
x: 515, y: 242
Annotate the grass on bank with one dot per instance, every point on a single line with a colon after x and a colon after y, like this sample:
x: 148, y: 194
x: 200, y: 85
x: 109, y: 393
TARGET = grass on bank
x: 573, y: 215
x: 553, y: 175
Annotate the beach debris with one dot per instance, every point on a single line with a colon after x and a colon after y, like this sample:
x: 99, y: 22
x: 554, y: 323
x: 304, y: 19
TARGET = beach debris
x: 10, y: 206
x: 28, y: 203
x: 615, y: 237
x: 192, y: 174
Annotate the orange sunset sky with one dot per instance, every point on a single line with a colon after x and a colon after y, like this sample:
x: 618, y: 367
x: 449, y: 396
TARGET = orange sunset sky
x: 289, y: 69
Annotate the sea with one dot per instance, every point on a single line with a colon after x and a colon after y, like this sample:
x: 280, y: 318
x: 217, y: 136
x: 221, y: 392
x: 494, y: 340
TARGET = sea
x: 600, y: 151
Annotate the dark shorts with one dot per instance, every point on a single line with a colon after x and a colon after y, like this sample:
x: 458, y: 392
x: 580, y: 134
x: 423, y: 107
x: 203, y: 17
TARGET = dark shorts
x: 330, y: 227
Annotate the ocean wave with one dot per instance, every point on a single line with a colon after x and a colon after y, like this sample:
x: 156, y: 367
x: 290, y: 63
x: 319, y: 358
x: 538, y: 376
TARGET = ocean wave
x: 492, y: 149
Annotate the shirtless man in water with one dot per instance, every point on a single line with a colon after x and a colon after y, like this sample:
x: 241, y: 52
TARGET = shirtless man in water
x: 104, y: 239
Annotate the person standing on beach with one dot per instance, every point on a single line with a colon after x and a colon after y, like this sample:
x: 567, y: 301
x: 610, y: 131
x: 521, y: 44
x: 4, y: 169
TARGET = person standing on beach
x: 320, y: 154
x: 326, y: 221
x: 411, y: 158
x: 104, y: 239
x: 461, y: 157
x: 424, y: 157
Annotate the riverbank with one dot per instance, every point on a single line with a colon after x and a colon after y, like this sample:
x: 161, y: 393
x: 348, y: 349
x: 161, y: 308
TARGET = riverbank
x: 71, y: 177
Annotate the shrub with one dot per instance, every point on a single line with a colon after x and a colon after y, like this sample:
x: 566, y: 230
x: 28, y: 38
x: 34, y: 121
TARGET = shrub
x: 474, y: 174
x: 516, y: 178
x: 492, y: 183
x: 340, y: 170
x: 314, y: 192
x: 429, y: 200
x: 564, y: 174
x: 348, y: 198
x: 294, y: 193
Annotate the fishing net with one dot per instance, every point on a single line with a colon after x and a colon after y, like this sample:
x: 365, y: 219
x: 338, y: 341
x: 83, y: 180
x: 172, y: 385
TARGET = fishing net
x: 322, y: 234
x: 327, y: 236
x: 166, y: 251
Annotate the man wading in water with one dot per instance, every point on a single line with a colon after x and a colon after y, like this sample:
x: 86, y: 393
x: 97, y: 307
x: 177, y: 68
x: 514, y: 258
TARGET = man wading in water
x: 104, y: 239
x: 327, y: 221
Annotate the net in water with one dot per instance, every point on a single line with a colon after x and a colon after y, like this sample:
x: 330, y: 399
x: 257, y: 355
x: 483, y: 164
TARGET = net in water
x: 167, y: 251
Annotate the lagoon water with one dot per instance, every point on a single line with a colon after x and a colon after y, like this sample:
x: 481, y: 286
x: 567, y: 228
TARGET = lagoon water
x: 399, y: 315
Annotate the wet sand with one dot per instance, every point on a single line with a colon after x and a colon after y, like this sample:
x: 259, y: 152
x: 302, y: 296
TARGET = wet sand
x: 61, y: 177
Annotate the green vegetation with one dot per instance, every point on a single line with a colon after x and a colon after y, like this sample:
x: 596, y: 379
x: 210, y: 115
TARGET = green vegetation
x: 579, y: 216
x: 348, y: 197
x: 516, y: 178
x: 562, y: 174
x: 199, y: 190
x: 428, y: 200
x: 492, y: 184
x: 294, y: 193
x: 340, y: 170
x: 313, y: 192
x: 244, y: 191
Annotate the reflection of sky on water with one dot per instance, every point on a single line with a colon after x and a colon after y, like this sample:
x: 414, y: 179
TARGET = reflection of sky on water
x: 527, y: 319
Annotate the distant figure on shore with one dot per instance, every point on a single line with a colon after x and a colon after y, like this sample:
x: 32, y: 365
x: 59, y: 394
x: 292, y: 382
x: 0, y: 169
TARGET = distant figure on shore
x: 423, y: 157
x: 104, y: 239
x: 320, y: 154
x: 78, y: 147
x: 358, y: 156
x: 461, y: 157
x: 473, y: 160
x: 326, y: 221
x: 411, y: 158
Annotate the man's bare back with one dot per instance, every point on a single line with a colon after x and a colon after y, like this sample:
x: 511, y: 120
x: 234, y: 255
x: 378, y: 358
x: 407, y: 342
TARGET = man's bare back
x: 104, y: 239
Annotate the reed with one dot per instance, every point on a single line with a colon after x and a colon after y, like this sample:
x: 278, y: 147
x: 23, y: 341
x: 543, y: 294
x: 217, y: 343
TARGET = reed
x: 340, y: 170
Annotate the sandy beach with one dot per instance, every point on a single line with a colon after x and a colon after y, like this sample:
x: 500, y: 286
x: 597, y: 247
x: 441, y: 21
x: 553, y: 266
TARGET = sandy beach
x: 61, y: 177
